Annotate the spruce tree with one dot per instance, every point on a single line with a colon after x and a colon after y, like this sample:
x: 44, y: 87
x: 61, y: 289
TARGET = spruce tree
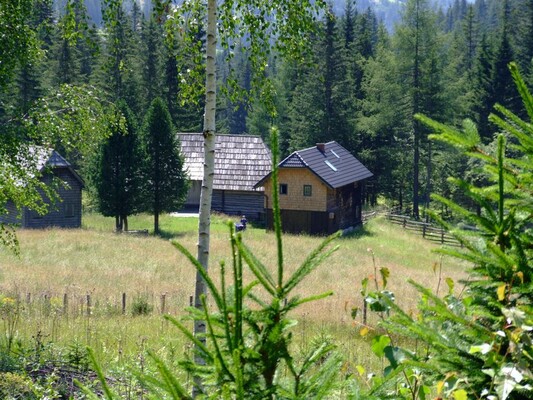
x: 483, y: 90
x: 381, y: 140
x: 348, y: 22
x: 416, y: 40
x: 330, y: 72
x: 525, y: 44
x: 165, y: 179
x: 66, y: 62
x: 120, y: 69
x: 152, y: 34
x: 504, y: 91
x: 116, y: 172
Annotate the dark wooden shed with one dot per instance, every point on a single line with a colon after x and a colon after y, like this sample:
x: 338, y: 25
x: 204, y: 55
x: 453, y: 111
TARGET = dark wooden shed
x: 240, y: 161
x: 67, y: 212
x: 320, y: 190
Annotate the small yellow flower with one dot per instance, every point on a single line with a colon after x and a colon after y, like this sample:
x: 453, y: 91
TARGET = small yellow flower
x: 8, y: 301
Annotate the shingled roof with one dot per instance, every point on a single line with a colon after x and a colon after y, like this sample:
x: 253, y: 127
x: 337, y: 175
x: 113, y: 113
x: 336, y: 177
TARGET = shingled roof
x: 330, y: 162
x: 240, y: 160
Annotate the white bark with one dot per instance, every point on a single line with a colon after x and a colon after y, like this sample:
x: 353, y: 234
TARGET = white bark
x: 209, y: 163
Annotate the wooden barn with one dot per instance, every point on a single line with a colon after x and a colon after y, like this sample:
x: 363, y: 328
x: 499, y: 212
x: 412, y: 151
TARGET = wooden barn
x: 320, y: 190
x: 240, y: 161
x: 65, y: 213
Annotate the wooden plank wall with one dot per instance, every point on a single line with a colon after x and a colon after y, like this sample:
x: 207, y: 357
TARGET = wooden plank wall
x: 71, y: 197
x: 12, y: 216
x: 296, y: 221
x: 233, y: 202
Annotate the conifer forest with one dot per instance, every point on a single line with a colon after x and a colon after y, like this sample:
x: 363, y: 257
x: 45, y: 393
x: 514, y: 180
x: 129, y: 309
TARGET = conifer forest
x: 358, y: 83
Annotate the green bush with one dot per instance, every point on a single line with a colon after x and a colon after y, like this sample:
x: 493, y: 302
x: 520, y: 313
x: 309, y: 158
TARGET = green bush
x: 141, y: 306
x: 15, y: 386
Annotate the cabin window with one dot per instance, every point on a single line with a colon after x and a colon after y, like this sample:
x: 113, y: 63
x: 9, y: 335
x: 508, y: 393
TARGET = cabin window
x: 283, y: 188
x: 308, y: 190
x: 69, y: 210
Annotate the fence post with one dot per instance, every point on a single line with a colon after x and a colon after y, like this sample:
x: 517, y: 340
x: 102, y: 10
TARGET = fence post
x: 424, y: 230
x: 404, y: 222
x: 123, y: 303
x: 88, y: 304
x: 46, y: 305
x: 442, y: 235
x: 163, y: 300
x: 65, y: 304
x: 28, y: 302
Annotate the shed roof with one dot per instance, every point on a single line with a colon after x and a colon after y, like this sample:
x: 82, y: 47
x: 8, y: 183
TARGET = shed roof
x: 331, y: 162
x: 49, y: 158
x: 44, y: 157
x: 240, y: 160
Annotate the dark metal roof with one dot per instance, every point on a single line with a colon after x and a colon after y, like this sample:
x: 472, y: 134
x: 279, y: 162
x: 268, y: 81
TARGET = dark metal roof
x: 335, y: 165
x: 49, y: 158
x: 294, y: 161
x: 240, y: 160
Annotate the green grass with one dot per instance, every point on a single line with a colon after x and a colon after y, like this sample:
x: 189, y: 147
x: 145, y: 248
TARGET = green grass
x: 95, y: 261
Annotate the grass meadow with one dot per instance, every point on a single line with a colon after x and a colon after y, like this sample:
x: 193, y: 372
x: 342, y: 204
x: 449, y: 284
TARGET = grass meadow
x: 58, y: 270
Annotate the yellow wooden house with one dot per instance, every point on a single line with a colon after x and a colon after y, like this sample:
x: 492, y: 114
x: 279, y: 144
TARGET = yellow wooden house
x: 320, y: 190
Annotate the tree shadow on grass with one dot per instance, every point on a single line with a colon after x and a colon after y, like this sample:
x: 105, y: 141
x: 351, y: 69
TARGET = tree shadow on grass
x: 358, y: 232
x: 168, y: 235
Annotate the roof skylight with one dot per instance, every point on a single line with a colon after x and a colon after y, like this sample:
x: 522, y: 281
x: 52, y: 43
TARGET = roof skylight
x: 330, y: 165
x: 335, y: 154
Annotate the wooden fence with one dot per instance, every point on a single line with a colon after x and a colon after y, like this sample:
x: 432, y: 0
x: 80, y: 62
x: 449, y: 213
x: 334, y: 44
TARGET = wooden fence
x: 88, y: 304
x: 427, y: 230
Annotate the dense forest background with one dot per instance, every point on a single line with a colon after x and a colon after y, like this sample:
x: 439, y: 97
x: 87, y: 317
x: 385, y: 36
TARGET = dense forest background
x: 387, y: 11
x: 362, y: 83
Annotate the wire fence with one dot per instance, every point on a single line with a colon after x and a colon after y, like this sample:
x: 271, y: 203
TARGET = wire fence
x: 73, y: 305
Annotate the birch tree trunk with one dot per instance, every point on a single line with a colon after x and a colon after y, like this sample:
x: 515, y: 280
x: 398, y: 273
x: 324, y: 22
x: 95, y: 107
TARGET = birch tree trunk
x: 291, y: 33
x: 209, y: 164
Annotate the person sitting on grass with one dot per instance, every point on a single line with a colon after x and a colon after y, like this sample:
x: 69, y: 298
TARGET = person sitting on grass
x: 241, y: 226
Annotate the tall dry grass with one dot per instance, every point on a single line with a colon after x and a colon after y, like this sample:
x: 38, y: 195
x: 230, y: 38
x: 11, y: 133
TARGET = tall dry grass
x: 103, y: 264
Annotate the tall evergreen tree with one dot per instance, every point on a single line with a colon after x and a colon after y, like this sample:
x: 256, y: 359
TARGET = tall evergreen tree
x: 366, y: 33
x: 28, y: 86
x: 237, y: 122
x: 73, y: 49
x: 470, y: 34
x: 503, y: 87
x: 525, y: 44
x: 482, y: 105
x: 152, y: 34
x: 348, y: 22
x: 330, y: 70
x: 306, y: 102
x: 416, y: 41
x: 382, y: 139
x: 165, y: 178
x: 120, y: 59
x: 116, y: 173
x: 29, y: 79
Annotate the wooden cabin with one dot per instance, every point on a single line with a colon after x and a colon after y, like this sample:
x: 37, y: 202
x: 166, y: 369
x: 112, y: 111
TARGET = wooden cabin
x: 67, y: 212
x: 320, y: 190
x: 240, y: 161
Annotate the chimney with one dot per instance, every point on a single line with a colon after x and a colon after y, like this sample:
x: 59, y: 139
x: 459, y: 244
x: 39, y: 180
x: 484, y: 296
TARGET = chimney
x: 321, y: 147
